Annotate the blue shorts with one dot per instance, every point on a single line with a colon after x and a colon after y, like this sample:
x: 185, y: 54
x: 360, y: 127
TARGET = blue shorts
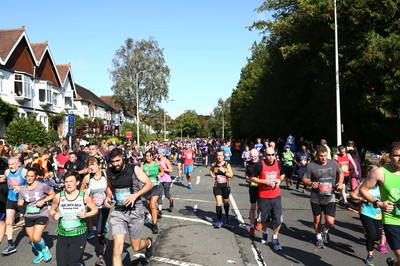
x: 392, y: 233
x: 188, y: 169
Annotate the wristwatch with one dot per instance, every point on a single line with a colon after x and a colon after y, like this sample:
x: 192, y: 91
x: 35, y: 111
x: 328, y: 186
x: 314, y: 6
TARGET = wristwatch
x: 375, y: 203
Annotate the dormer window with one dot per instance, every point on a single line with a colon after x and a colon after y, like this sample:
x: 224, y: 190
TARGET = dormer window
x: 22, y: 86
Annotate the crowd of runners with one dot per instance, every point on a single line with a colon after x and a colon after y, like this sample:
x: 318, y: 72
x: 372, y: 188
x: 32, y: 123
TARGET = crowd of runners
x: 84, y: 186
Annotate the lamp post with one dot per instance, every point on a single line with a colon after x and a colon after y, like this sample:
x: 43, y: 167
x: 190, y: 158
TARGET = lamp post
x: 137, y: 106
x: 338, y: 119
x: 223, y: 122
x: 165, y: 125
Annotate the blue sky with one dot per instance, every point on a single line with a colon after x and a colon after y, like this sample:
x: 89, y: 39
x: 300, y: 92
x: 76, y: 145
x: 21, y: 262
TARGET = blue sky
x: 205, y: 42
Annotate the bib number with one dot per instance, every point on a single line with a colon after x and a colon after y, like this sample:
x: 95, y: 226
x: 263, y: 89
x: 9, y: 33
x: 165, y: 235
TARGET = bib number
x: 32, y: 209
x: 98, y: 200
x: 70, y: 222
x: 325, y: 188
x: 121, y: 194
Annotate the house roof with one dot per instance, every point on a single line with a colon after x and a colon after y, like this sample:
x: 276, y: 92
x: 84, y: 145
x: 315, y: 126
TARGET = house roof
x: 110, y: 101
x: 86, y: 95
x: 39, y: 49
x: 8, y: 40
x: 63, y: 70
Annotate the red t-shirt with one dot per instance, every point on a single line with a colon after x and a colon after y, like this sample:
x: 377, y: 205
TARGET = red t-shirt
x: 270, y: 172
x: 188, y: 157
x: 344, y: 164
x: 62, y: 159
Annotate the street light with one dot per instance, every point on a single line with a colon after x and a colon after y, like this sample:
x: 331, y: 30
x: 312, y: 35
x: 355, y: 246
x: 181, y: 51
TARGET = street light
x: 338, y: 120
x: 137, y: 104
x: 165, y: 125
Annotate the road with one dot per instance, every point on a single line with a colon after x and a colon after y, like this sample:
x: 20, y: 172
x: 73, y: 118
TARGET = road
x: 187, y: 236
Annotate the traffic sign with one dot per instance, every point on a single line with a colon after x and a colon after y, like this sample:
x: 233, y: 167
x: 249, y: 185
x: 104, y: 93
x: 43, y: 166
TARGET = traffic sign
x: 71, y: 118
x: 128, y: 135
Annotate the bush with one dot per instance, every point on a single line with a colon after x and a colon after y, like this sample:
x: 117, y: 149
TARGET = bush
x: 26, y: 130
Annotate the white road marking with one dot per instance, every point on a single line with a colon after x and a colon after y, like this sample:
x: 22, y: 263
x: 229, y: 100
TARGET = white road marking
x: 197, y: 180
x: 186, y: 219
x: 168, y: 261
x: 257, y: 255
x: 195, y: 200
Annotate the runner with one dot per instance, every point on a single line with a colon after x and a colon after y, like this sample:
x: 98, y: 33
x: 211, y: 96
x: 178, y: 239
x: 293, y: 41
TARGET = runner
x: 128, y: 216
x: 253, y: 169
x: 246, y: 155
x: 204, y: 152
x: 302, y: 159
x: 69, y: 208
x: 287, y: 158
x: 269, y: 196
x: 95, y: 185
x: 180, y: 162
x: 371, y: 219
x: 188, y: 156
x: 3, y: 196
x: 35, y: 195
x: 227, y: 151
x: 321, y: 176
x: 154, y: 171
x: 221, y: 173
x: 165, y: 180
x: 15, y: 180
x: 387, y: 178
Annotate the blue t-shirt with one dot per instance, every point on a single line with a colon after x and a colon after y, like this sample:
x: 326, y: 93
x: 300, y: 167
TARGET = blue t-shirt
x: 368, y: 209
x: 227, y: 152
x: 14, y: 180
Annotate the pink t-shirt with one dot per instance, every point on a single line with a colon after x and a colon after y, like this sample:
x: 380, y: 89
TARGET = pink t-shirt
x: 188, y: 157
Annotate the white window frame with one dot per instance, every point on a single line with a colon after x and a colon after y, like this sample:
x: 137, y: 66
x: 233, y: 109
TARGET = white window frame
x: 26, y: 84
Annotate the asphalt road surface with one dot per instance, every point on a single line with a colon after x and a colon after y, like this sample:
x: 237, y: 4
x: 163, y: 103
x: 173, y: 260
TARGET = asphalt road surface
x: 187, y: 237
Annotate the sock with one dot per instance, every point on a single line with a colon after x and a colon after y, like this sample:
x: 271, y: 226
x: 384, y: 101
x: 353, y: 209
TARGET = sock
x: 10, y: 242
x: 226, y: 208
x: 319, y: 236
x: 219, y: 212
x: 149, y: 244
x: 40, y: 246
x: 275, y: 236
x: 326, y: 230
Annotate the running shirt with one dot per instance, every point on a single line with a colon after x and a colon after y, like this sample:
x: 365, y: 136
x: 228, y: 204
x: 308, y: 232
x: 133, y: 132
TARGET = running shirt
x: 204, y: 149
x: 368, y: 209
x: 97, y: 189
x: 221, y: 180
x: 70, y: 224
x: 344, y: 163
x: 14, y: 180
x: 246, y: 156
x: 303, y: 158
x: 287, y: 158
x: 166, y: 177
x: 124, y: 183
x: 271, y: 172
x: 227, y: 152
x: 31, y: 196
x: 188, y: 157
x: 253, y: 170
x: 152, y: 171
x: 325, y: 175
x: 258, y: 146
x: 390, y: 191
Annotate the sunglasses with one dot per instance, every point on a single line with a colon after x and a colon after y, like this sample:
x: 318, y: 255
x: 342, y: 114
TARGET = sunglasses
x: 267, y: 154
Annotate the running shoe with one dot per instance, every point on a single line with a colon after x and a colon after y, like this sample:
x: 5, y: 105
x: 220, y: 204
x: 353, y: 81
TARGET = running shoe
x: 100, y: 261
x: 149, y: 250
x: 382, y: 248
x: 369, y: 261
x: 8, y: 250
x: 276, y: 244
x: 171, y: 206
x: 46, y: 255
x: 390, y: 262
x: 90, y: 234
x: 189, y: 186
x: 325, y: 235
x: 38, y: 258
x: 264, y: 238
x: 159, y: 214
x: 258, y: 226
x: 218, y: 224
x: 154, y: 229
x: 251, y: 232
x: 320, y: 243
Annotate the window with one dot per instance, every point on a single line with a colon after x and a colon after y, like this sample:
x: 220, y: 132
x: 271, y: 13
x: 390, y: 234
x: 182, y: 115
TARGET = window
x: 22, y: 86
x: 45, y: 94
x: 68, y: 102
x: 55, y: 99
x: 1, y: 83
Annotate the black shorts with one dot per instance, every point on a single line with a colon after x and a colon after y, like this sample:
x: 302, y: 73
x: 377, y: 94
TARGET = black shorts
x: 155, y: 191
x: 13, y: 205
x: 271, y: 209
x: 392, y: 233
x: 222, y: 191
x: 328, y: 209
x: 29, y: 222
x: 253, y: 193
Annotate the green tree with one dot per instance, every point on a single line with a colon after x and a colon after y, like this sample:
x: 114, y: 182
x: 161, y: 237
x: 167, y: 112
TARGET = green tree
x: 188, y: 122
x: 139, y: 66
x: 26, y: 130
x: 7, y: 111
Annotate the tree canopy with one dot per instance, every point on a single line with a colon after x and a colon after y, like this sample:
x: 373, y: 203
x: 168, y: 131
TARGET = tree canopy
x: 288, y: 83
x: 139, y: 66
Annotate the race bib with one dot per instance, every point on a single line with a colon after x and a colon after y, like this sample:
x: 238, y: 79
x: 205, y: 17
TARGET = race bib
x: 98, y: 199
x: 121, y: 194
x: 70, y: 222
x: 14, y: 182
x: 221, y: 179
x: 325, y: 188
x: 32, y: 209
